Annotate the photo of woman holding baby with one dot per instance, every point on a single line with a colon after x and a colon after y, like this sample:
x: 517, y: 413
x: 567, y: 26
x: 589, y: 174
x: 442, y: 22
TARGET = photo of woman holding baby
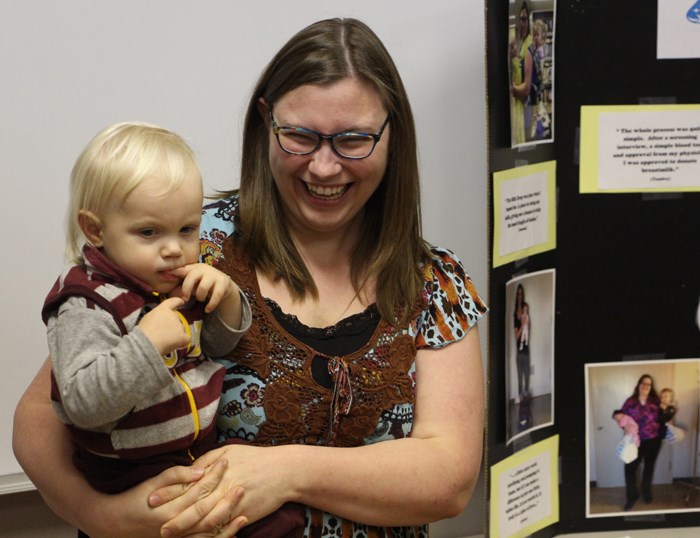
x: 530, y: 353
x: 653, y: 405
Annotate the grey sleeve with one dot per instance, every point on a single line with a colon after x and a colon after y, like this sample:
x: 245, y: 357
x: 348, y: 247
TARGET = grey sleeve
x: 101, y: 375
x: 218, y: 339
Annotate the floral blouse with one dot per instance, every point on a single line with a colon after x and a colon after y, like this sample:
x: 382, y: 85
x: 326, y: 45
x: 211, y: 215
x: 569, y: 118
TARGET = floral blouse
x: 646, y: 416
x: 271, y: 396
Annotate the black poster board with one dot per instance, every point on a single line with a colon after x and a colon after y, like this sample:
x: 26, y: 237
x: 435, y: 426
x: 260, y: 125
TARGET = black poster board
x: 627, y: 265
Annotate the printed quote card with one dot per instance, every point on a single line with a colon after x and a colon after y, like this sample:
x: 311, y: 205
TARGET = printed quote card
x: 525, y: 491
x: 524, y: 211
x: 633, y: 148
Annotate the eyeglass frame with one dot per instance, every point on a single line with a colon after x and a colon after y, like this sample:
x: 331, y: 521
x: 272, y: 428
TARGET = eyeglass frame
x: 331, y: 137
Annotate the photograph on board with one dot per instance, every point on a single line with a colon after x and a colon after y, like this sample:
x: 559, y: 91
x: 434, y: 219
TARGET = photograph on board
x: 529, y: 353
x: 531, y: 71
x: 642, y: 431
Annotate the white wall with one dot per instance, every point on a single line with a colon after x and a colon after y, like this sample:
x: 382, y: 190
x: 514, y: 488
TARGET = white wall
x: 70, y: 68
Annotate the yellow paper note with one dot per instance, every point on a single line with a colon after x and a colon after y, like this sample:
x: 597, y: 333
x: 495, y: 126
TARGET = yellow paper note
x: 525, y: 491
x: 524, y: 218
x: 638, y: 148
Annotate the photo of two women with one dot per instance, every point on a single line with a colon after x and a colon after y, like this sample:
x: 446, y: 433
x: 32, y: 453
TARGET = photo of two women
x: 531, y: 71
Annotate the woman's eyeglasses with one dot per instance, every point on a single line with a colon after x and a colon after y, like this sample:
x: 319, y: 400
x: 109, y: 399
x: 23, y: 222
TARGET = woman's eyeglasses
x: 348, y: 144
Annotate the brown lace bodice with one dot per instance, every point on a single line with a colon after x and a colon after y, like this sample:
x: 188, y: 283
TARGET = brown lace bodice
x: 271, y: 370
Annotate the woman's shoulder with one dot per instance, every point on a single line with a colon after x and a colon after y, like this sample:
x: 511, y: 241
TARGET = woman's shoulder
x: 452, y: 304
x: 444, y: 258
x: 445, y: 271
x: 218, y: 222
x: 224, y: 208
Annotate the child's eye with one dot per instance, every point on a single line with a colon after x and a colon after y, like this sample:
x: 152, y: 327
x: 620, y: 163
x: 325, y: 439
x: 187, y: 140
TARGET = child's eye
x: 186, y: 230
x: 147, y: 232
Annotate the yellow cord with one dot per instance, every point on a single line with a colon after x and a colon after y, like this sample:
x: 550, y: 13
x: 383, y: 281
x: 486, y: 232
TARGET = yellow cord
x: 193, y: 407
x: 171, y: 359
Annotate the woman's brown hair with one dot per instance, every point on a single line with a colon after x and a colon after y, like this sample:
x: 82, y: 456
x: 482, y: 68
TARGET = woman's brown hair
x: 391, y: 249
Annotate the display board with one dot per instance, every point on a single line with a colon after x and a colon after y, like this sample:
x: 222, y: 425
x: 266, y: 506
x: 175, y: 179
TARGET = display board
x: 624, y: 271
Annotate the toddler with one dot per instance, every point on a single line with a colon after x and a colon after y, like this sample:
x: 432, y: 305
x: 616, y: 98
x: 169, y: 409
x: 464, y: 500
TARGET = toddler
x: 131, y: 322
x: 525, y: 324
x: 667, y: 410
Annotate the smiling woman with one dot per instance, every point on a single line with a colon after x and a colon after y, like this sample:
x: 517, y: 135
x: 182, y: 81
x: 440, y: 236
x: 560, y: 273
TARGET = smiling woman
x: 408, y: 353
x: 322, y: 191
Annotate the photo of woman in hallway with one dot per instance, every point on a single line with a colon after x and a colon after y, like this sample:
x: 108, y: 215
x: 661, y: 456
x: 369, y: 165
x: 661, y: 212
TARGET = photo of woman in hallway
x: 529, y: 353
x: 662, y: 476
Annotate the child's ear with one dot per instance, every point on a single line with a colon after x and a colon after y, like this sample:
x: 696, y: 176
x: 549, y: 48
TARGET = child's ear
x: 91, y: 226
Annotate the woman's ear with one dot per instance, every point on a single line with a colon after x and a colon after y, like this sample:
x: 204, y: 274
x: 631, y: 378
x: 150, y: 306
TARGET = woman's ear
x: 264, y: 110
x: 91, y: 226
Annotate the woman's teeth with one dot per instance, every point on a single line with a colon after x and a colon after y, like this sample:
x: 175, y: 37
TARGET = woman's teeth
x: 326, y: 192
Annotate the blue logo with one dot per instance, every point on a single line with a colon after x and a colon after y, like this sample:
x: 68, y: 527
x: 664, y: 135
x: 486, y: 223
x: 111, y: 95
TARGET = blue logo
x: 694, y: 13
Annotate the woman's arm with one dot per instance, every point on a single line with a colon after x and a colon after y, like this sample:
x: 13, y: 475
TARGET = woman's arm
x: 423, y: 478
x: 39, y: 437
x: 522, y: 91
x: 43, y: 447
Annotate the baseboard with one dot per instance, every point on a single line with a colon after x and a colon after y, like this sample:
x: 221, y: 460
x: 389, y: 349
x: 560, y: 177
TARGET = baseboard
x: 15, y: 483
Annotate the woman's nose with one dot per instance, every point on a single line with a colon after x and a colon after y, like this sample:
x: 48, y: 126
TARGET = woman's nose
x: 324, y: 161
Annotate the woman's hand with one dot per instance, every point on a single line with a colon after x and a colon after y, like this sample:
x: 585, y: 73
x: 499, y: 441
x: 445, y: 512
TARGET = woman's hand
x: 257, y: 471
x: 126, y: 514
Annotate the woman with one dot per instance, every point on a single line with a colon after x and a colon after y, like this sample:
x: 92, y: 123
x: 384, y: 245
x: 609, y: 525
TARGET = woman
x: 361, y: 376
x: 521, y: 76
x: 643, y: 407
x: 521, y: 329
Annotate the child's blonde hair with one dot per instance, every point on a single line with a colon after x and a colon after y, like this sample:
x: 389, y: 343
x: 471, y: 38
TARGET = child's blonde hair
x: 115, y: 162
x: 666, y: 389
x: 540, y: 25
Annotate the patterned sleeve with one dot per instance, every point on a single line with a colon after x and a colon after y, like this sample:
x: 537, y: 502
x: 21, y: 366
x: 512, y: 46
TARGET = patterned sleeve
x: 217, y: 224
x: 453, y: 305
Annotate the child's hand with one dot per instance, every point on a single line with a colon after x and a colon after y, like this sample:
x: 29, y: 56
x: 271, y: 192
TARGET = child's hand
x: 163, y: 327
x: 210, y: 285
x: 206, y: 283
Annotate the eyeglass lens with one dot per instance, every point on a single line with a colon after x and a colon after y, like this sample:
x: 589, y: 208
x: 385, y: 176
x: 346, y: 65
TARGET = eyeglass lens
x: 301, y: 141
